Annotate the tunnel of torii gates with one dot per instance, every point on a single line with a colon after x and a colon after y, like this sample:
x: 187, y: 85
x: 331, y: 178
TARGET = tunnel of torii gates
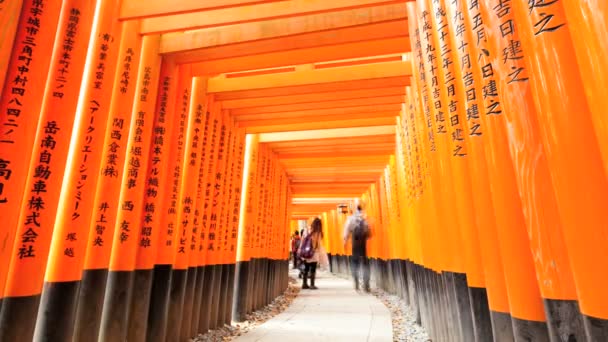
x: 155, y: 157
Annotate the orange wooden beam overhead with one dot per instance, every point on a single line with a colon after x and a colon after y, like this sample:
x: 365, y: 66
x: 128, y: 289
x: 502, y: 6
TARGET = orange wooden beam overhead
x: 331, y: 142
x: 339, y: 161
x: 276, y: 28
x: 318, y: 119
x: 335, y: 178
x: 339, y: 123
x: 329, y: 187
x: 364, y: 110
x: 356, y: 146
x: 362, y: 49
x: 188, y: 51
x: 252, y: 13
x: 307, y: 208
x: 317, y: 195
x: 315, y: 97
x: 137, y: 9
x: 341, y: 173
x: 361, y: 153
x: 383, y: 102
x: 396, y: 81
x: 312, y: 76
x: 339, y: 133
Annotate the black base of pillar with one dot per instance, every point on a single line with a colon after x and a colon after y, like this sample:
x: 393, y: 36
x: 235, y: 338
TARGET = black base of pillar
x: 203, y: 322
x: 404, y: 281
x: 184, y: 331
x: 231, y: 278
x: 140, y: 305
x: 159, y: 304
x: 525, y: 330
x: 463, y: 304
x: 18, y: 318
x: 198, y: 298
x: 239, y: 305
x: 502, y: 327
x: 57, y: 309
x: 216, y: 278
x: 253, y: 278
x: 223, y: 293
x: 482, y: 323
x: 596, y: 329
x: 564, y: 320
x: 117, y: 300
x: 176, y: 304
x: 90, y: 304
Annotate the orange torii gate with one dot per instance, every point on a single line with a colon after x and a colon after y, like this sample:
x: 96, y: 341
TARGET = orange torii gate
x: 156, y: 156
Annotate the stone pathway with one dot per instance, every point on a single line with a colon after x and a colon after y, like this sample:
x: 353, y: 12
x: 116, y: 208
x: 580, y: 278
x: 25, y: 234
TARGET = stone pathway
x: 334, y: 312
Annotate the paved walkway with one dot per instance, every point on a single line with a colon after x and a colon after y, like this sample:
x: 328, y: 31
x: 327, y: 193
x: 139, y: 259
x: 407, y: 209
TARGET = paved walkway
x: 334, y: 312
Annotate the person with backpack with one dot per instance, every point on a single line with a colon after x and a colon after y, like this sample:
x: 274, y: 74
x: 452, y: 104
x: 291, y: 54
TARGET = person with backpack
x: 295, y: 245
x: 357, y: 228
x: 310, y: 251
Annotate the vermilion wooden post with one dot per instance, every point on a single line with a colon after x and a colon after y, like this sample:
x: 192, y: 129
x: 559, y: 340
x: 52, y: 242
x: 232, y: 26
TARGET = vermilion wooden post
x: 50, y: 152
x: 587, y: 26
x: 438, y: 155
x: 258, y: 232
x: 211, y: 152
x: 573, y: 152
x: 460, y: 133
x: 159, y: 183
x: 199, y: 232
x: 525, y: 306
x: 224, y: 226
x: 163, y: 310
x: 200, y: 318
x: 187, y: 218
x: 148, y: 243
x: 536, y: 190
x: 443, y: 116
x: 474, y: 135
x: 428, y: 153
x: 119, y: 44
x: 237, y: 183
x: 174, y: 228
x: 247, y: 219
x: 216, y: 201
x: 128, y: 225
x: 9, y: 15
x: 29, y: 200
x: 20, y: 103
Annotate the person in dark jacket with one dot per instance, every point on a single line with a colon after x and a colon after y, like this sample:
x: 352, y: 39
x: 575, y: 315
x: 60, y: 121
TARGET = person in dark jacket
x: 357, y: 229
x: 295, y: 245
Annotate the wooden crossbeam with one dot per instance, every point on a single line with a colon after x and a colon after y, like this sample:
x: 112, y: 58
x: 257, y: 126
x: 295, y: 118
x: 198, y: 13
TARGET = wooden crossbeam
x: 346, y: 111
x: 311, y: 76
x: 252, y: 13
x: 315, y: 97
x: 382, y: 121
x: 379, y: 101
x: 296, y: 28
x: 367, y: 84
x: 137, y: 9
x: 339, y: 133
x: 284, y: 57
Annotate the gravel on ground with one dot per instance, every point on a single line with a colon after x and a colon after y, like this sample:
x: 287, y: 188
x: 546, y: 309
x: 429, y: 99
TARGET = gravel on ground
x: 405, y: 328
x: 256, y: 318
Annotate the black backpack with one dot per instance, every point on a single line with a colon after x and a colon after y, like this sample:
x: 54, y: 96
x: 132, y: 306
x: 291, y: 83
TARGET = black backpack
x: 360, y: 235
x: 306, y: 249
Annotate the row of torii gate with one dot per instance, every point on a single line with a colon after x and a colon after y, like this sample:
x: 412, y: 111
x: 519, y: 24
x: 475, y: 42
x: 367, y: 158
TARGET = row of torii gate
x: 155, y: 158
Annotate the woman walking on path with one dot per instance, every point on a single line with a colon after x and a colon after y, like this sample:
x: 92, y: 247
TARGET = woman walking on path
x: 315, y: 234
